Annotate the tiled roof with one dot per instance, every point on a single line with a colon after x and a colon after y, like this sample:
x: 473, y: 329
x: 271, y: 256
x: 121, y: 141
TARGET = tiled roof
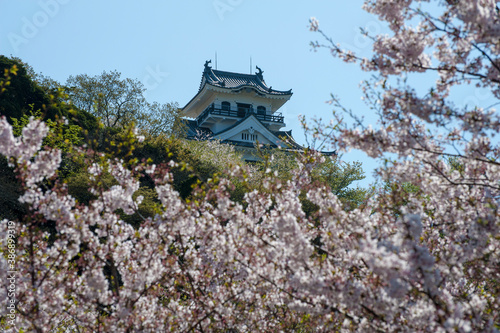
x: 233, y: 81
x: 288, y: 138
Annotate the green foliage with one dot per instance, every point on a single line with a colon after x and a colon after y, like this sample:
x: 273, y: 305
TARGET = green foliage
x: 23, y: 96
x: 162, y: 119
x: 62, y: 135
x: 119, y: 103
x: 116, y: 101
x: 399, y: 193
x: 160, y: 150
x: 10, y: 207
x: 198, y: 161
x: 211, y: 159
x: 18, y: 90
x: 279, y: 162
x: 147, y: 208
x: 456, y: 164
x: 6, y: 80
x: 213, y: 156
x: 78, y: 187
x: 338, y: 175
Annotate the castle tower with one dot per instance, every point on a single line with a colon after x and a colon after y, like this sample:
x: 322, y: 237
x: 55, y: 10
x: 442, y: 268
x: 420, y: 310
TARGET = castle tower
x: 239, y: 109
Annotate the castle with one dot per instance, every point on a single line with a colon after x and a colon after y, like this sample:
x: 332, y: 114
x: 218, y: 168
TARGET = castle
x: 238, y: 109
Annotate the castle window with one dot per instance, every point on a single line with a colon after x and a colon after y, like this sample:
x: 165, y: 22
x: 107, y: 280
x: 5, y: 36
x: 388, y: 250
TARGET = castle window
x: 243, y: 109
x: 248, y: 137
x: 225, y: 106
x: 261, y: 110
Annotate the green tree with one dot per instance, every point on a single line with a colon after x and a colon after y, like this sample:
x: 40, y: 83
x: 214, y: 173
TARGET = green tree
x: 339, y: 175
x: 121, y: 102
x: 26, y: 93
x: 118, y: 102
x: 162, y: 119
x: 20, y: 93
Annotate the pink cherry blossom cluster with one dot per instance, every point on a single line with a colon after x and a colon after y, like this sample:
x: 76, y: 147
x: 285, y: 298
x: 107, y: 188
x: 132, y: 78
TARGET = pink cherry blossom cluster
x: 442, y: 161
x: 425, y: 260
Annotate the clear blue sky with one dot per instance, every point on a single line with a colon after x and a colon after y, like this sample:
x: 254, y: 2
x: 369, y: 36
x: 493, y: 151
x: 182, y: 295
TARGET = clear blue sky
x: 165, y: 43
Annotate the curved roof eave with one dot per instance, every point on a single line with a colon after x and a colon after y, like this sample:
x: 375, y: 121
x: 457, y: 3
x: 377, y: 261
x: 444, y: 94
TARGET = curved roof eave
x: 247, y: 86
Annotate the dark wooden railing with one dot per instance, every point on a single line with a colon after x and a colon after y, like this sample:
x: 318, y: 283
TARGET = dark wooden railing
x: 241, y: 113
